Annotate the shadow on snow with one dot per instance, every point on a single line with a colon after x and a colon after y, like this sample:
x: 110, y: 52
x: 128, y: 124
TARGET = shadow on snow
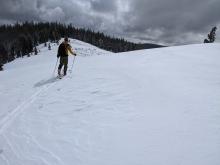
x: 44, y: 82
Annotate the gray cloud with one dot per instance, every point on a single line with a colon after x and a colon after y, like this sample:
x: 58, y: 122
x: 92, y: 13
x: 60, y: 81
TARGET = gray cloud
x: 170, y: 22
x: 103, y: 6
x: 16, y: 10
x: 173, y: 21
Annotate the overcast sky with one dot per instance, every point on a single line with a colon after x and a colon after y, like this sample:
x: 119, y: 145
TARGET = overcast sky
x: 171, y: 22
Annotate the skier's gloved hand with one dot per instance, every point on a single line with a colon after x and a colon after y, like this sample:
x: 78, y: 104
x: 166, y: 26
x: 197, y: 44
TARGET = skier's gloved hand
x: 74, y: 54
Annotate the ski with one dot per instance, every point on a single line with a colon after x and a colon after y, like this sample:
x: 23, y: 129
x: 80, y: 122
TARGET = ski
x: 60, y: 76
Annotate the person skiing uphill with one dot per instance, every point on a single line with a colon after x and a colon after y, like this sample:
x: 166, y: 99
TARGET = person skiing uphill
x: 63, y: 50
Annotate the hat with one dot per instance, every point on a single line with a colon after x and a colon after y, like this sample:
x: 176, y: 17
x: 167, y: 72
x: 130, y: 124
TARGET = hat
x: 66, y: 39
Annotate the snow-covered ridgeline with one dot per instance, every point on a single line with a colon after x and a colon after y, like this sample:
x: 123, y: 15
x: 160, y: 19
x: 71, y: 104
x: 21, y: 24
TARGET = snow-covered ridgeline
x: 157, y: 106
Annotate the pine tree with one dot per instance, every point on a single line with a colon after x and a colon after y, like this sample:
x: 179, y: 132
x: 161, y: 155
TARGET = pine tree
x: 1, y: 67
x: 35, y: 50
x: 211, y: 36
x: 49, y: 47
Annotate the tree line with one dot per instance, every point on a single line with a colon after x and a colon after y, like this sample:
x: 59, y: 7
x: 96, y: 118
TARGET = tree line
x: 21, y: 39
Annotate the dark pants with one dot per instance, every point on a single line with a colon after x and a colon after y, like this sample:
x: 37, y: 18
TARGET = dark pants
x: 63, y: 61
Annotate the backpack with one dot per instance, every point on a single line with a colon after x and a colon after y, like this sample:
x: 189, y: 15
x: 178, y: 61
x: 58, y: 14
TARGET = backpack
x: 62, y: 51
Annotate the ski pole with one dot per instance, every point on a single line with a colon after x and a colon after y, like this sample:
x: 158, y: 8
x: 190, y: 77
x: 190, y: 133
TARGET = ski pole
x: 72, y: 64
x: 55, y: 66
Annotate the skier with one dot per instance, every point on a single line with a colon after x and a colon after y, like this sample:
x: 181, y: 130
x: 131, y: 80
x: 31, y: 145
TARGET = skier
x: 63, y: 50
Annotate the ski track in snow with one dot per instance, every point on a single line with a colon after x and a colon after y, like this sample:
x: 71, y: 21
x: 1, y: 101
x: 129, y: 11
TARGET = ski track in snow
x: 45, y: 85
x: 7, y: 120
x: 12, y: 116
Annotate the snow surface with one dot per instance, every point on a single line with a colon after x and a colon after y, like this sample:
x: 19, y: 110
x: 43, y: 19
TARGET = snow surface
x: 156, y: 107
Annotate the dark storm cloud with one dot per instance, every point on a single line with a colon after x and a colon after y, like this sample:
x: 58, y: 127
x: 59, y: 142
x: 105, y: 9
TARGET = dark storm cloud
x: 159, y: 21
x: 16, y: 10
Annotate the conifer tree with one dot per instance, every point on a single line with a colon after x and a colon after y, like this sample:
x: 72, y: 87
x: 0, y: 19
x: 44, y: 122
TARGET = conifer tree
x: 49, y: 47
x: 1, y: 67
x: 211, y: 36
x: 35, y: 50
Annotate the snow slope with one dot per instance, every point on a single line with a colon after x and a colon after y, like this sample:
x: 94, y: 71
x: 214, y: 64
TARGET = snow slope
x: 156, y: 107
